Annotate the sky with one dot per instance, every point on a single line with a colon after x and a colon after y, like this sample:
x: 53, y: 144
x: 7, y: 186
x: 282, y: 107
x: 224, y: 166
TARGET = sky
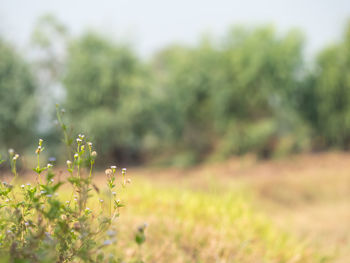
x: 151, y: 24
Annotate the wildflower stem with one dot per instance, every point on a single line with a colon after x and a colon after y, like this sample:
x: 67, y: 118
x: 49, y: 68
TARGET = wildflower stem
x: 65, y: 134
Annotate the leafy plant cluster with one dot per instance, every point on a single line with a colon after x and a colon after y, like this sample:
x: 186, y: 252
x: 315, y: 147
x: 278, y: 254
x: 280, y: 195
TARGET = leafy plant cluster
x: 40, y: 222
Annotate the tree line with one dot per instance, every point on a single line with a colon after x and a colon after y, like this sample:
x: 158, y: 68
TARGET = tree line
x: 250, y: 90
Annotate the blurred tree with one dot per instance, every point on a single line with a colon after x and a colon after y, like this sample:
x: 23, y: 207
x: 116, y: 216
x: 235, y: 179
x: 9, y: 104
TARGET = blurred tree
x: 184, y: 77
x: 234, y: 96
x: 326, y: 96
x: 107, y: 95
x: 18, y: 103
x: 255, y: 96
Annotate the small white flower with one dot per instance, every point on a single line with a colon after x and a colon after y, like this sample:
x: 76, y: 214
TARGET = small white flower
x: 11, y: 151
x: 113, y: 167
x: 22, y: 186
x: 114, y: 193
x: 101, y: 200
x: 49, y: 165
x: 49, y: 195
x: 51, y: 180
x: 69, y: 163
x: 90, y: 144
x: 67, y: 202
x: 28, y: 184
x: 42, y: 192
x: 26, y: 224
x: 76, y: 156
x: 15, y: 157
x: 75, y: 199
x: 79, y: 140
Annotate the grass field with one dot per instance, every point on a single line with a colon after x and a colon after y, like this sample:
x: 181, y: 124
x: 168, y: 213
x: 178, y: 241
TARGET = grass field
x: 294, y: 210
x: 243, y: 210
x: 213, y: 225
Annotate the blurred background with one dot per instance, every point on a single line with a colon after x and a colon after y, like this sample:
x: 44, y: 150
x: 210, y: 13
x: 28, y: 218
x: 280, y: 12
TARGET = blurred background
x: 208, y: 97
x: 178, y: 83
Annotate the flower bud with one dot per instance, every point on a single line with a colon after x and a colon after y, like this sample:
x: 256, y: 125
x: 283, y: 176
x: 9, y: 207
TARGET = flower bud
x: 109, y: 172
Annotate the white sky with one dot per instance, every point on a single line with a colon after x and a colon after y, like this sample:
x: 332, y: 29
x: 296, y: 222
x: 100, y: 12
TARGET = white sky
x: 151, y: 24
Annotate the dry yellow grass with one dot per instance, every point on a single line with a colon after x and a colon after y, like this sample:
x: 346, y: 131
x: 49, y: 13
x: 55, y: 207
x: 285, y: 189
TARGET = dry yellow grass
x: 307, y: 195
x: 288, y: 210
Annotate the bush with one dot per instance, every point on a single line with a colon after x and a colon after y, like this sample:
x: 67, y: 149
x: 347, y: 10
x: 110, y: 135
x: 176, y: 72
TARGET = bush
x: 40, y: 222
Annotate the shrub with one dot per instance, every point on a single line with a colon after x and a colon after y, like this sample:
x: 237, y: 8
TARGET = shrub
x: 40, y: 223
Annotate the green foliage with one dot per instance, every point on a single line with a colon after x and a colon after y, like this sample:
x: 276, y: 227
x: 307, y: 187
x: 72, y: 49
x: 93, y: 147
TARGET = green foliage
x: 18, y: 104
x: 106, y: 95
x: 215, y: 99
x: 140, y: 237
x: 247, y: 91
x: 228, y: 97
x: 39, y: 225
x: 326, y: 96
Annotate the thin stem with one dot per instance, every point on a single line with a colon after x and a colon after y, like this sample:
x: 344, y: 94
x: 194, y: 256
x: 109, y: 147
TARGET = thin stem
x: 65, y: 134
x: 110, y: 202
